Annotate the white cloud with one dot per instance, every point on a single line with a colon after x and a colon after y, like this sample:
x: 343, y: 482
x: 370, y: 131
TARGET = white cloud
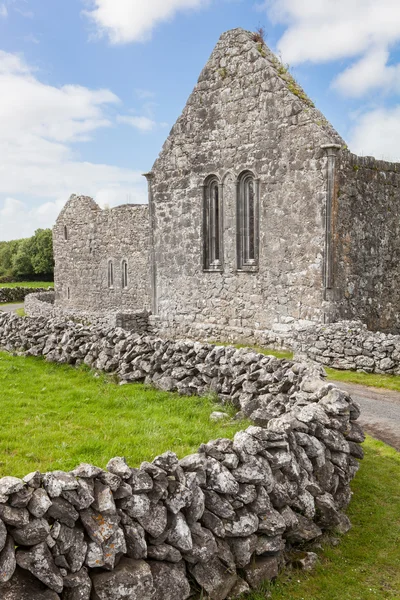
x: 3, y: 11
x: 376, y: 133
x: 370, y: 72
x: 36, y: 158
x: 326, y: 30
x: 125, y: 21
x: 144, y: 124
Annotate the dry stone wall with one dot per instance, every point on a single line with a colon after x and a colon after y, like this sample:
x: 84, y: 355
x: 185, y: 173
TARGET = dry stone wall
x: 350, y: 345
x: 220, y: 519
x: 17, y: 294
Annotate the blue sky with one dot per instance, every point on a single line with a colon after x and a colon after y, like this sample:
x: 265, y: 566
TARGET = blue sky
x: 90, y: 88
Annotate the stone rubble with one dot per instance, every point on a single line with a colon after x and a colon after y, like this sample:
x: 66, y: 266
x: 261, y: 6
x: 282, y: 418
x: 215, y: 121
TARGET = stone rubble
x: 222, y: 519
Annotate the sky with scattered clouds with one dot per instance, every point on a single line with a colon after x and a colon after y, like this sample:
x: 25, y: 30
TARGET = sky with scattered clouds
x: 90, y: 88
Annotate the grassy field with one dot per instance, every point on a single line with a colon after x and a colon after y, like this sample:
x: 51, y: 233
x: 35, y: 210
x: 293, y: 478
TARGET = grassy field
x: 55, y: 416
x: 390, y: 382
x: 28, y: 284
x: 366, y: 563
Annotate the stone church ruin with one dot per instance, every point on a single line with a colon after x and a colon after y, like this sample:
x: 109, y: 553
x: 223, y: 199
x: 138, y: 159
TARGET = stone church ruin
x: 259, y: 219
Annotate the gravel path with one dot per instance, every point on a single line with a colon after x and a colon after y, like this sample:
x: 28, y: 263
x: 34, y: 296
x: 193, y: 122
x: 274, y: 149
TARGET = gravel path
x: 11, y: 307
x: 380, y: 411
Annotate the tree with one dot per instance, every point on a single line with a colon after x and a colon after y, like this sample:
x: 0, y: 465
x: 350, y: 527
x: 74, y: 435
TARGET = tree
x: 22, y: 260
x: 42, y: 252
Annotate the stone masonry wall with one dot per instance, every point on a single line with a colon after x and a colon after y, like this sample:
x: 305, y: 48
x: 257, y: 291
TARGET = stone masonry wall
x: 219, y: 519
x: 367, y: 242
x: 245, y: 113
x: 94, y: 237
x: 350, y: 345
x: 17, y: 294
x: 42, y: 305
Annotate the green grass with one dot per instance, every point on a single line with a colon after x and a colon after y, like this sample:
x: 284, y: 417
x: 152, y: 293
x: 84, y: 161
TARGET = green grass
x: 56, y: 416
x: 366, y: 564
x: 390, y: 382
x: 20, y: 312
x: 28, y: 284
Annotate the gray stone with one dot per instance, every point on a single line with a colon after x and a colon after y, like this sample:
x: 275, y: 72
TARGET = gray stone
x: 7, y: 560
x: 34, y: 533
x: 39, y: 562
x: 260, y: 570
x: 136, y: 506
x: 118, y: 466
x: 180, y: 535
x: 23, y: 586
x: 99, y: 527
x: 61, y: 510
x: 103, y: 499
x: 155, y: 520
x: 164, y: 552
x: 243, y: 549
x: 77, y: 586
x: 10, y: 485
x: 170, y: 581
x: 16, y: 517
x: 130, y: 580
x: 39, y: 503
x: 214, y: 578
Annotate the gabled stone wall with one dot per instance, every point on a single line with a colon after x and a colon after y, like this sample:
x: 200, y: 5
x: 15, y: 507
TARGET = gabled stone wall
x: 245, y: 113
x: 221, y: 519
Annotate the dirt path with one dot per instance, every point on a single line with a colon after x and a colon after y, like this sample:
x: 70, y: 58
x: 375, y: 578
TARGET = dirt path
x: 380, y: 411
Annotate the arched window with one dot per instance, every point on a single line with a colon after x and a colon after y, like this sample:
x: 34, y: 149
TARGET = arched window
x: 247, y: 222
x: 212, y: 225
x: 110, y: 274
x: 65, y: 233
x: 124, y: 269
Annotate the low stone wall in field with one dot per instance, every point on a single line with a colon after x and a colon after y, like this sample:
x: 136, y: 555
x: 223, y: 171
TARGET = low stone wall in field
x: 350, y: 345
x: 17, y: 294
x: 42, y: 305
x: 221, y: 520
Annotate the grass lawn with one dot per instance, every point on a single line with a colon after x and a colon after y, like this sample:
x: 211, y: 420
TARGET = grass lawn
x: 56, y: 416
x: 28, y: 284
x: 366, y: 564
x: 390, y: 382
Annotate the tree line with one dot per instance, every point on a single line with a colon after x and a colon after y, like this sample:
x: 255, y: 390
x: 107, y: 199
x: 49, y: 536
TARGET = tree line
x: 28, y: 258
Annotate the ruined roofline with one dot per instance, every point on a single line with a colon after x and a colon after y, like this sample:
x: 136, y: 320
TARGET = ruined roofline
x: 371, y: 162
x: 91, y: 205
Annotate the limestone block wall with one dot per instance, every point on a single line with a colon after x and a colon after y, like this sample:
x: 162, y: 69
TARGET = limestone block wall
x: 85, y: 240
x: 220, y: 519
x: 244, y: 114
x: 367, y: 242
